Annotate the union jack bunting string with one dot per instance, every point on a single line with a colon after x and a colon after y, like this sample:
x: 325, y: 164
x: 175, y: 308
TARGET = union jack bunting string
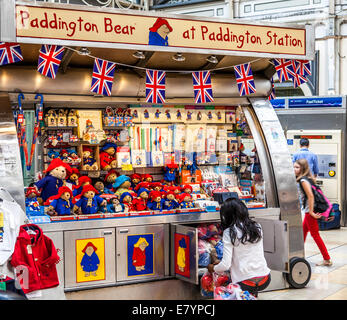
x: 285, y: 69
x: 102, y: 78
x: 298, y: 79
x: 272, y: 93
x: 49, y: 60
x: 10, y: 53
x: 244, y: 79
x: 155, y: 86
x: 303, y: 67
x: 202, y: 87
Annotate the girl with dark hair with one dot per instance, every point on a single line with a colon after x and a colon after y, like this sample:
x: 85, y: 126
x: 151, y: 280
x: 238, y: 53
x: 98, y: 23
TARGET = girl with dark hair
x: 243, y: 252
x: 305, y: 178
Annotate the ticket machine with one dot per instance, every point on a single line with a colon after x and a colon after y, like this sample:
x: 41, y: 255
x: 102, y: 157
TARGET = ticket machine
x: 326, y: 144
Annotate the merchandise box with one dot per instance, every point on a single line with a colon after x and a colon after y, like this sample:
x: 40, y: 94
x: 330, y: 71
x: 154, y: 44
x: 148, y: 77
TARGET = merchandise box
x: 188, y: 178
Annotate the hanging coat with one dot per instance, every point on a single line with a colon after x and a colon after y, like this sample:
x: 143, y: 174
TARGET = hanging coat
x: 37, y: 254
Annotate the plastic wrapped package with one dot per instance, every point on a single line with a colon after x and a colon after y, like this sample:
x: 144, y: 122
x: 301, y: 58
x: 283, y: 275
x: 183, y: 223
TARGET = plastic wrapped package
x: 219, y: 249
x: 209, y: 282
x: 204, y: 249
x: 206, y: 285
x: 206, y: 231
x: 231, y: 292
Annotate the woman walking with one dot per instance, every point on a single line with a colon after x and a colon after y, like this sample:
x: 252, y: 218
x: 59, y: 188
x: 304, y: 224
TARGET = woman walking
x: 310, y: 223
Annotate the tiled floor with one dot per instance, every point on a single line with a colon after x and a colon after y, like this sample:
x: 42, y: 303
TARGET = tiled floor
x: 327, y: 283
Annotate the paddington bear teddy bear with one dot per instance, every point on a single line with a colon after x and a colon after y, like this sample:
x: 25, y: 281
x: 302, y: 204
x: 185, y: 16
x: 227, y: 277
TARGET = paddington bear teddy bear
x: 82, y: 181
x: 122, y: 184
x: 100, y: 187
x: 110, y: 179
x: 89, y: 163
x: 126, y: 200
x: 186, y: 201
x: 56, y: 174
x: 31, y: 202
x: 73, y: 178
x: 170, y: 201
x: 140, y: 203
x: 135, y: 179
x: 89, y: 202
x: 60, y: 204
x: 157, y: 202
x: 107, y: 156
x: 170, y: 173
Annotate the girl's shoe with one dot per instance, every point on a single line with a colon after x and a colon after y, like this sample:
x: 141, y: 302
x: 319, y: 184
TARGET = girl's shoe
x: 326, y: 263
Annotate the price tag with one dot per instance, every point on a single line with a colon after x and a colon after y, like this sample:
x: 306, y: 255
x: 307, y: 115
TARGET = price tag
x: 20, y: 118
x: 40, y: 115
x: 127, y: 167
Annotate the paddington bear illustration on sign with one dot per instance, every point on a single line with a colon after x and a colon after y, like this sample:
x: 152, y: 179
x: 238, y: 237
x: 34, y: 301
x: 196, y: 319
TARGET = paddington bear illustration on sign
x: 90, y: 261
x: 139, y: 254
x: 158, y: 33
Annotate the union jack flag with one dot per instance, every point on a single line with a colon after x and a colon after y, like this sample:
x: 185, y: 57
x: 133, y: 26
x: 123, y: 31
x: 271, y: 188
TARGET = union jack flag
x: 244, y: 79
x: 155, y: 86
x: 272, y: 93
x: 303, y: 67
x: 298, y: 79
x: 10, y: 53
x: 285, y: 69
x: 49, y: 60
x: 102, y: 79
x: 202, y: 87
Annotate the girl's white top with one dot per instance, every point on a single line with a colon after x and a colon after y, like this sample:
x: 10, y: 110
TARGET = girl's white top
x: 244, y: 261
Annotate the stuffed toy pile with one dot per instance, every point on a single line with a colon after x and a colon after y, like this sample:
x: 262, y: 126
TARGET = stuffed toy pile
x: 210, y: 244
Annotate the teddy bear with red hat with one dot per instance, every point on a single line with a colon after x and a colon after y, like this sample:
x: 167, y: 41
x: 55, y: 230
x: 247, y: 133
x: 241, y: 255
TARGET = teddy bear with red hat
x: 88, y: 202
x: 107, y: 156
x: 56, y: 173
x: 147, y: 177
x: 156, y: 202
x: 171, y: 201
x: 60, y: 204
x: 110, y: 179
x: 82, y: 181
x: 170, y: 173
x: 186, y: 201
x: 135, y: 179
x: 89, y: 163
x: 73, y: 177
x: 31, y: 202
x: 140, y: 202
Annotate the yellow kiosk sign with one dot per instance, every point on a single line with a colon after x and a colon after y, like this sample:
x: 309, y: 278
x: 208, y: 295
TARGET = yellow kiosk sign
x: 139, y: 29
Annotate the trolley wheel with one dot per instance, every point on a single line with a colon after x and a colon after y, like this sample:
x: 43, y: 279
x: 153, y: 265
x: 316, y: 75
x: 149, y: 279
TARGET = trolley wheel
x: 299, y: 273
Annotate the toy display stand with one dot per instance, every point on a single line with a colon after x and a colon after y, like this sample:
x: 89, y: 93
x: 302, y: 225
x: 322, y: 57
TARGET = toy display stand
x: 226, y: 127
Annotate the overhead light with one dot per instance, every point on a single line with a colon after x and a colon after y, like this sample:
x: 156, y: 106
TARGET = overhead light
x: 212, y: 59
x: 139, y: 55
x: 178, y: 57
x: 84, y: 51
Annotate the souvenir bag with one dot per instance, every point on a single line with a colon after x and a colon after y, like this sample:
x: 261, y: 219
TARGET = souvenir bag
x: 322, y: 204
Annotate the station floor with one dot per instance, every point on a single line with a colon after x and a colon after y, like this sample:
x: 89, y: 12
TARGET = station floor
x: 327, y: 283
